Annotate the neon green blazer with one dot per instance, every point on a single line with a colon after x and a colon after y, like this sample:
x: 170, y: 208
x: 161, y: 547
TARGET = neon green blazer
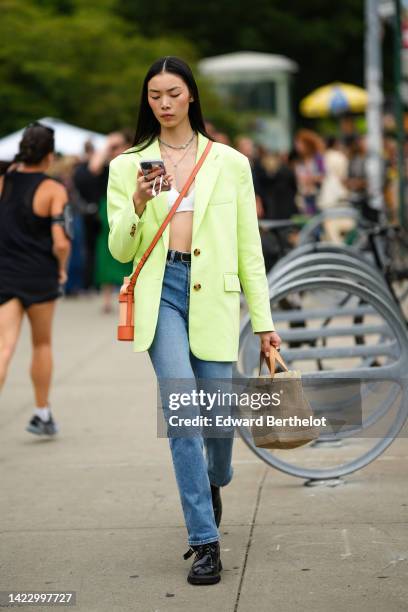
x: 226, y: 250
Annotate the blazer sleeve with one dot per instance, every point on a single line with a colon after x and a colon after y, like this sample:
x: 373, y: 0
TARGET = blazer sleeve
x: 125, y: 226
x: 251, y: 263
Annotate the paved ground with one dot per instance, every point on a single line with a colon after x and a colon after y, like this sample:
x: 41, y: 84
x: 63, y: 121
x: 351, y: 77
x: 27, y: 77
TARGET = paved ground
x: 97, y: 509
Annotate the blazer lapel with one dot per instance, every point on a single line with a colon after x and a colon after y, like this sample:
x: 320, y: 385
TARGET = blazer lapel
x: 203, y: 186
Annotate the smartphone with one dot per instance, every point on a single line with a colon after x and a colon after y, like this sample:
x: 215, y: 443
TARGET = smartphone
x: 148, y: 165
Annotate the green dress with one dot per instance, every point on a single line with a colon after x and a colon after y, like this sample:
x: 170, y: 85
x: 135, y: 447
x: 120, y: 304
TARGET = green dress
x: 108, y: 271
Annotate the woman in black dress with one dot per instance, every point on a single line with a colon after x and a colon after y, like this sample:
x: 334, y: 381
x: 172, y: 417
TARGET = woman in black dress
x: 34, y: 250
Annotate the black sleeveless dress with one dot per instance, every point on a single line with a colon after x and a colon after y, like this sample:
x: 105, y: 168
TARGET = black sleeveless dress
x: 28, y: 268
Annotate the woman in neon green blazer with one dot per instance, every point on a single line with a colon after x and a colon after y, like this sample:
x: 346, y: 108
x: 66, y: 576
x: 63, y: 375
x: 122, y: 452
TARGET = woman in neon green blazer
x: 187, y: 297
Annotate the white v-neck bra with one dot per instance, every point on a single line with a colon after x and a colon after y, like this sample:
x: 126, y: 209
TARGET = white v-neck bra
x: 187, y: 203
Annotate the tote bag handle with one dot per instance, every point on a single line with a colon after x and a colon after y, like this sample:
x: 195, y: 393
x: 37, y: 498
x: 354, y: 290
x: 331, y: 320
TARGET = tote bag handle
x: 274, y: 356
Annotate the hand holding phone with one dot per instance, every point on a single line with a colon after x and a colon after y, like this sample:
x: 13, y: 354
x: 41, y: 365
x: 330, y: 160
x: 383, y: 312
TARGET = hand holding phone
x: 148, y: 176
x: 149, y: 166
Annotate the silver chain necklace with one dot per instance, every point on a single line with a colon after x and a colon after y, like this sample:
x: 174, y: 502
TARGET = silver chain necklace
x: 184, y: 146
x: 175, y: 164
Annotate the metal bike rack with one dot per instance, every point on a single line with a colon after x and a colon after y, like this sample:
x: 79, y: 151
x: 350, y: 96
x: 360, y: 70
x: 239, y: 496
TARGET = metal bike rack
x: 377, y: 303
x: 358, y: 330
x: 307, y: 232
x: 326, y: 259
x: 317, y: 247
x: 330, y: 270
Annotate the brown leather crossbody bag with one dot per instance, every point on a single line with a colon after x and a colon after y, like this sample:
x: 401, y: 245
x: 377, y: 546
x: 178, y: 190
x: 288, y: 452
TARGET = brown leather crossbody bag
x: 126, y: 327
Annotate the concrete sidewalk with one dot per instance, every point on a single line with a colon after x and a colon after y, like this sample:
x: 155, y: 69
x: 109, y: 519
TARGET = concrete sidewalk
x: 97, y: 511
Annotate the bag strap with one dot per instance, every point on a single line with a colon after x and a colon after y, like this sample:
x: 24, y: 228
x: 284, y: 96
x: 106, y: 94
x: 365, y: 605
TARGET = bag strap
x: 274, y: 356
x: 166, y: 221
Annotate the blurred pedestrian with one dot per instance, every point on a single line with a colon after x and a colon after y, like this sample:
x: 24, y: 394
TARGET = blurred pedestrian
x: 309, y: 167
x: 222, y: 137
x: 348, y: 130
x: 333, y: 192
x: 34, y: 251
x: 357, y: 182
x: 277, y: 185
x: 62, y: 169
x: 277, y: 189
x: 90, y: 188
x: 210, y: 129
x: 109, y: 272
x: 246, y: 146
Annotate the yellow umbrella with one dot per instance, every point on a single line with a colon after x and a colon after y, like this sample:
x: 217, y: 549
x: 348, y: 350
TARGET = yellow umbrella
x: 334, y: 99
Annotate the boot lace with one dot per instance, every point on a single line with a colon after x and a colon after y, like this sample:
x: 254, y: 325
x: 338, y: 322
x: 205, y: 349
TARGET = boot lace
x: 200, y: 550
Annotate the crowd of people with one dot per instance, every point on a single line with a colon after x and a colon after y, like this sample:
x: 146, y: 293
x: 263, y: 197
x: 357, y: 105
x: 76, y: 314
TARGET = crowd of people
x: 317, y: 174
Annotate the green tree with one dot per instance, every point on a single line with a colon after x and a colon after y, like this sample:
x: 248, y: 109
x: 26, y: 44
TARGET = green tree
x: 325, y: 38
x: 83, y: 64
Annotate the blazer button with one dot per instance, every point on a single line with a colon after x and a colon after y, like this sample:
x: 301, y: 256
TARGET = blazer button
x: 132, y: 231
x: 197, y: 286
x: 197, y: 251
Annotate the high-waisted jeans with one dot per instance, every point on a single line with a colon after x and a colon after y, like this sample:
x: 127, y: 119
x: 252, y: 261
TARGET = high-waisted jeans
x: 172, y: 359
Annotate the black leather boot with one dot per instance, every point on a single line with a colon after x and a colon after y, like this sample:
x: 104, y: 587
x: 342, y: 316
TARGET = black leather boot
x: 207, y: 563
x: 217, y: 504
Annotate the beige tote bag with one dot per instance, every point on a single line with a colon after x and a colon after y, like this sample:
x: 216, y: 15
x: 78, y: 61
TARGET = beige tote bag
x: 283, y: 433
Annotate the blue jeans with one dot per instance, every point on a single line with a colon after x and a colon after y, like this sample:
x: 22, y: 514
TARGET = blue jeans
x: 172, y: 359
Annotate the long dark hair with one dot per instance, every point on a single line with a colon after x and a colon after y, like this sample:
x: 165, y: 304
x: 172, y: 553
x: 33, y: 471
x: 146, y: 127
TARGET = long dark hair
x: 148, y: 127
x: 37, y: 141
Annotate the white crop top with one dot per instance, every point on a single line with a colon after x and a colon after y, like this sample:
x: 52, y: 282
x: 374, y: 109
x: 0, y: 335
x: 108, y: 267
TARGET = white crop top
x: 186, y: 203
